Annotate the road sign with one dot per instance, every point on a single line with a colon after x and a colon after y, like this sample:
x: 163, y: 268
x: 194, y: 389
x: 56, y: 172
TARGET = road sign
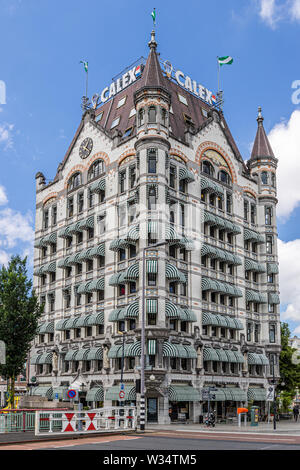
x: 121, y: 394
x: 270, y: 393
x: 72, y: 393
x: 122, y: 387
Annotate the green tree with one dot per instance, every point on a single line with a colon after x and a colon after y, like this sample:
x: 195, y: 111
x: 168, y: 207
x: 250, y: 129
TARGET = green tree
x: 19, y: 314
x: 289, y: 371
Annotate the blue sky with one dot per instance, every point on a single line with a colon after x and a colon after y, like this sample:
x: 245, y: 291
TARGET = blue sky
x: 44, y: 41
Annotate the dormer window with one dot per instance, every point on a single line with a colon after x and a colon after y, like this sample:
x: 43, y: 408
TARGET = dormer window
x: 182, y: 99
x: 115, y: 122
x: 122, y: 101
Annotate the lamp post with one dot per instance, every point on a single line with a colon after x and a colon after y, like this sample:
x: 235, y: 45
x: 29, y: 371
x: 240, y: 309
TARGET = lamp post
x: 122, y: 361
x: 142, y: 400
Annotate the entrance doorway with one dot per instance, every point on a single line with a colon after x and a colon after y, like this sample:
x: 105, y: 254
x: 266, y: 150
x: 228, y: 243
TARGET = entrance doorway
x: 152, y: 411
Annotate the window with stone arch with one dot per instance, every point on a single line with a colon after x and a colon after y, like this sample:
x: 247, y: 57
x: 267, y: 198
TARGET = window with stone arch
x: 97, y: 168
x: 141, y: 117
x: 207, y: 168
x: 224, y: 177
x: 75, y: 181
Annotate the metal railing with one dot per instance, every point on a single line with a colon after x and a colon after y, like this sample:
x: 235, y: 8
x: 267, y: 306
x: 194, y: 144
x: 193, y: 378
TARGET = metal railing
x: 18, y: 421
x: 112, y: 418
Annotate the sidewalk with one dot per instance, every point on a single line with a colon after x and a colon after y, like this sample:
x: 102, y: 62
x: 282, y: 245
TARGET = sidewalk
x: 282, y: 427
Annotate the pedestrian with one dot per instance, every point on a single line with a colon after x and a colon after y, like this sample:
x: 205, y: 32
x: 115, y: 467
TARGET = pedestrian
x: 296, y: 412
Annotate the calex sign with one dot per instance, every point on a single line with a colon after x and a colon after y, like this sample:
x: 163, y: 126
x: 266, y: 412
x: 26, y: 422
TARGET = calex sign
x: 190, y: 85
x: 122, y: 82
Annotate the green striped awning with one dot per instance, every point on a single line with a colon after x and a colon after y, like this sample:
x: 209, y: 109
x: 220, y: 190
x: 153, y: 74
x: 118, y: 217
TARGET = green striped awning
x: 258, y: 359
x: 178, y: 350
x: 50, y: 239
x: 222, y: 255
x: 257, y: 394
x: 131, y: 311
x: 115, y: 351
x: 239, y: 357
x: 63, y: 263
x: 186, y: 243
x: 95, y: 394
x: 133, y: 233
x: 70, y: 355
x: 82, y: 354
x: 98, y: 250
x: 251, y: 265
x: 98, y: 186
x: 42, y: 391
x: 131, y: 274
x: 95, y: 354
x: 39, y: 243
x: 151, y: 306
x: 151, y: 347
x: 185, y: 174
x: 114, y: 314
x: 253, y: 296
x: 113, y: 393
x: 74, y: 259
x: 174, y: 274
x: 45, y: 358
x: 221, y: 320
x: 273, y: 298
x: 211, y: 186
x: 70, y: 323
x: 46, y: 327
x: 74, y: 228
x: 60, y: 325
x: 170, y: 234
x: 83, y: 321
x: 218, y: 286
x: 83, y: 288
x: 85, y: 255
x: 120, y: 243
x: 218, y: 395
x: 189, y: 314
x: 210, y: 354
x: 38, y: 271
x: 87, y: 223
x: 65, y: 232
x: 49, y: 268
x: 231, y: 357
x: 35, y: 358
x: 96, y: 318
x: 152, y: 226
x: 152, y: 266
x: 251, y: 235
x: 235, y: 394
x: 272, y: 268
x: 183, y: 393
x: 96, y: 284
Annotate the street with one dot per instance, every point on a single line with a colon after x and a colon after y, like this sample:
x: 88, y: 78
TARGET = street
x: 170, y: 440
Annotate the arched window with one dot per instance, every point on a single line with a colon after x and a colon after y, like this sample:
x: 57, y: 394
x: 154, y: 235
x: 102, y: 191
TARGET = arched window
x: 97, y: 168
x: 141, y: 117
x: 152, y: 114
x: 207, y: 168
x: 273, y: 180
x: 224, y: 177
x: 74, y: 181
x: 163, y: 116
x: 264, y: 177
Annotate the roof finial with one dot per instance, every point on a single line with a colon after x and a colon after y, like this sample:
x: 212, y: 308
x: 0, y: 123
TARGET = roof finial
x: 259, y: 117
x: 152, y: 44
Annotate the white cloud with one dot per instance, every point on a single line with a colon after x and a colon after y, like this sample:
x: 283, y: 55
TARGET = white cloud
x: 274, y: 11
x: 285, y: 142
x: 3, y: 197
x: 289, y: 279
x: 6, y: 135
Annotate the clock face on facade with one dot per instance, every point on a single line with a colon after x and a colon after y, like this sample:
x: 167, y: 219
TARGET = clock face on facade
x: 86, y: 147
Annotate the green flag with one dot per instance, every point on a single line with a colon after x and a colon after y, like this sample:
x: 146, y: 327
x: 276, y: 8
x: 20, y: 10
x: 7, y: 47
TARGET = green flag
x: 153, y: 14
x: 226, y: 60
x: 85, y: 64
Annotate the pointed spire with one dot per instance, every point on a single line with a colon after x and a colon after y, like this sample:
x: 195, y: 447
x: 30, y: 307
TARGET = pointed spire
x: 152, y: 74
x: 261, y: 147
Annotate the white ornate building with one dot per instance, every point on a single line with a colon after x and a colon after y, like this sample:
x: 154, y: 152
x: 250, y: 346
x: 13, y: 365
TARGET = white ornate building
x: 156, y: 163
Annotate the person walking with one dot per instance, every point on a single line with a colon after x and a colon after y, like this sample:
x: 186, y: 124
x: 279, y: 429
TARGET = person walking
x: 296, y: 412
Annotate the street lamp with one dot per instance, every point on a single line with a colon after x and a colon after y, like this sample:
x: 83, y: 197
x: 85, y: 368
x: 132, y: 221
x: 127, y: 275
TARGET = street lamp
x: 122, y: 361
x: 142, y: 400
